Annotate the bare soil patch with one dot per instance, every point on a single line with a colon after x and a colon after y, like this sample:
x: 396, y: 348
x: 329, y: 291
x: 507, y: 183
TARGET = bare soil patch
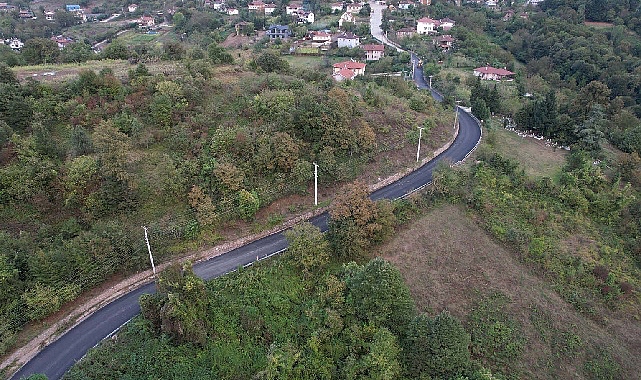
x: 449, y: 262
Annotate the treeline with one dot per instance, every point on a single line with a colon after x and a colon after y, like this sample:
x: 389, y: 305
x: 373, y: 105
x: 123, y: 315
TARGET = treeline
x: 302, y: 316
x: 84, y: 164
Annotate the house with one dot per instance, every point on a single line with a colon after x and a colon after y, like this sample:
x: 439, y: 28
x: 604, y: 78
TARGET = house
x: 4, y: 7
x: 347, y: 70
x: 269, y: 8
x: 243, y: 28
x: 50, y: 15
x: 15, y: 44
x: 321, y: 37
x: 426, y: 25
x: 256, y: 6
x: 62, y: 41
x: 508, y: 15
x: 405, y: 32
x: 281, y: 32
x: 305, y: 17
x: 348, y: 40
x: 346, y: 17
x: 218, y: 5
x: 294, y: 8
x: 336, y: 7
x: 232, y: 11
x: 404, y: 4
x: 444, y: 42
x: 354, y: 7
x: 446, y: 23
x: 373, y: 52
x: 146, y: 22
x: 26, y: 13
x: 73, y: 8
x: 492, y: 4
x: 491, y: 73
x: 132, y: 8
x: 426, y: 2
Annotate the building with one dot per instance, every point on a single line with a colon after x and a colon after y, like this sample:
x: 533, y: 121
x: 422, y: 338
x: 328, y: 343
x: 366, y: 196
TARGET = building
x: 491, y: 73
x: 232, y: 11
x: 354, y: 7
x: 256, y: 6
x: 321, y: 37
x: 146, y: 22
x: 294, y: 8
x: 304, y: 17
x: 281, y: 32
x: 346, y: 17
x: 426, y: 25
x: 347, y: 70
x: 15, y: 44
x: 348, y: 40
x: 50, y: 15
x: 336, y: 7
x: 373, y: 52
x: 62, y: 41
x: 446, y: 23
x: 269, y: 8
x: 72, y: 8
x: 404, y: 4
x: 405, y: 32
x: 444, y: 42
x: 132, y: 8
x: 426, y: 2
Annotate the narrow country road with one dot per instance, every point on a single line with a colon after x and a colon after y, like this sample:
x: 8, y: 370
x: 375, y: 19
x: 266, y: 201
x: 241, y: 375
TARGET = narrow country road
x: 55, y: 359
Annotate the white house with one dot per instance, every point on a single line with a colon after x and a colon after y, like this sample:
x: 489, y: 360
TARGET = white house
x: 346, y: 17
x: 426, y: 25
x: 354, y: 7
x: 15, y: 44
x: 146, y: 22
x: 446, y: 23
x: 305, y: 17
x: 270, y: 8
x: 294, y: 8
x: 132, y: 8
x: 404, y: 4
x: 256, y: 6
x: 336, y: 7
x: 491, y: 73
x: 373, y: 52
x: 348, y: 40
x: 232, y: 11
x: 321, y: 37
x: 218, y: 5
x: 50, y: 15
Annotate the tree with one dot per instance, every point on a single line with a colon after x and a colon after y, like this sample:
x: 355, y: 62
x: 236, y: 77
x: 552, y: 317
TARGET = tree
x: 437, y: 347
x: 116, y: 50
x: 37, y: 51
x: 218, y: 55
x: 377, y: 355
x: 308, y: 247
x: 379, y: 296
x: 248, y: 204
x: 76, y: 52
x: 7, y: 76
x: 270, y: 62
x: 179, y: 308
x: 357, y: 222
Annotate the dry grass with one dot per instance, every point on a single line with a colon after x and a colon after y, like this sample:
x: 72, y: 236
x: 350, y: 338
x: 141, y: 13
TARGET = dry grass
x: 449, y: 262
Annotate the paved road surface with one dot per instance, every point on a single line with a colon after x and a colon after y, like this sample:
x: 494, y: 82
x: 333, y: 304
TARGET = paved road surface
x: 55, y: 359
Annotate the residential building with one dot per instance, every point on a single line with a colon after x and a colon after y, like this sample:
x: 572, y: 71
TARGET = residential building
x: 404, y: 4
x: 232, y: 11
x: 305, y: 17
x: 269, y: 8
x: 132, y: 8
x: 15, y: 44
x: 346, y: 17
x: 72, y: 8
x: 347, y: 70
x: 491, y: 73
x: 336, y: 7
x: 405, y: 32
x: 146, y: 22
x: 426, y: 25
x: 348, y: 40
x: 444, y: 42
x: 373, y: 52
x: 278, y: 32
x: 321, y: 37
x: 426, y: 2
x: 50, y: 15
x: 256, y: 6
x: 354, y: 7
x: 294, y: 8
x: 62, y: 41
x: 446, y: 23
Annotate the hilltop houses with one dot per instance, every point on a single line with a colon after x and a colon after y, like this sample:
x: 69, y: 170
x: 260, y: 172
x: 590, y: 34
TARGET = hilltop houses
x: 347, y: 70
x: 426, y: 25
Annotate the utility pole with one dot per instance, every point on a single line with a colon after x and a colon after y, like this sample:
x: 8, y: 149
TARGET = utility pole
x: 315, y: 184
x: 420, y: 134
x: 151, y: 258
x: 456, y: 112
x: 431, y: 81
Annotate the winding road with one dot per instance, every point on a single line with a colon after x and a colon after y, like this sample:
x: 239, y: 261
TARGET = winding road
x: 55, y: 359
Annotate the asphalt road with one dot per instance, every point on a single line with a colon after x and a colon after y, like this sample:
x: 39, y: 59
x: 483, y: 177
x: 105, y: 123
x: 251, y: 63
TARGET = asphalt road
x: 55, y: 359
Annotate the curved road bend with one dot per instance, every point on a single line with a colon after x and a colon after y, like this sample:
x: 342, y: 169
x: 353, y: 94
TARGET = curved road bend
x: 55, y: 359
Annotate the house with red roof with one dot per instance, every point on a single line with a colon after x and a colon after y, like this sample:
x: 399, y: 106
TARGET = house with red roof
x: 373, y: 52
x: 347, y: 70
x: 492, y: 73
x: 444, y: 42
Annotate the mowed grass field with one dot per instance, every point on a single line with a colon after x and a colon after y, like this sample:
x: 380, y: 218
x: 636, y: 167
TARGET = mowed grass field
x: 450, y: 263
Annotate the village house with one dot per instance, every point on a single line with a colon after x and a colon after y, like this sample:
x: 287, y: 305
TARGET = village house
x: 354, y: 7
x: 304, y: 17
x: 294, y: 8
x: 426, y: 2
x: 132, y: 8
x: 232, y: 11
x: 348, y: 40
x: 146, y: 22
x: 321, y: 37
x: 336, y: 7
x: 244, y: 28
x: 404, y: 4
x: 5, y: 7
x: 405, y: 32
x: 446, y: 23
x: 14, y: 43
x: 218, y: 5
x: 373, y: 52
x: 426, y: 25
x: 50, y: 15
x: 256, y: 6
x: 491, y: 73
x: 281, y: 32
x: 346, y: 17
x: 62, y: 41
x: 269, y: 8
x: 444, y: 42
x: 347, y: 70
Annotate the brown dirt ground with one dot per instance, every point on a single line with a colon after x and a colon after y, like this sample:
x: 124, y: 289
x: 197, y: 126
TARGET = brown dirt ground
x: 449, y: 262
